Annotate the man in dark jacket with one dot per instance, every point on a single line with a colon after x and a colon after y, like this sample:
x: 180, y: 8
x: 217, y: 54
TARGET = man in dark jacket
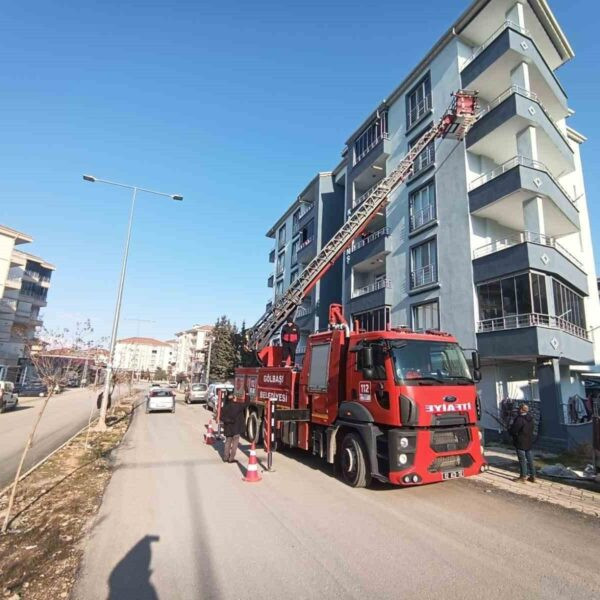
x: 290, y: 335
x: 522, y: 434
x: 232, y: 416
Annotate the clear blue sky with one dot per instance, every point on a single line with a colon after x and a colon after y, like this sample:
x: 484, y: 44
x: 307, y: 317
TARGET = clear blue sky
x: 236, y: 105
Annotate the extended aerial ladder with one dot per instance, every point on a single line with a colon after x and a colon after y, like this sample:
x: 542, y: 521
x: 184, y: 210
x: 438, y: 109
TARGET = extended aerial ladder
x: 455, y: 123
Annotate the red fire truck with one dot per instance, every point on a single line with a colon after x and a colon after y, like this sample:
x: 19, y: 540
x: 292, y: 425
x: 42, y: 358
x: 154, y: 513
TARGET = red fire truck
x: 394, y: 405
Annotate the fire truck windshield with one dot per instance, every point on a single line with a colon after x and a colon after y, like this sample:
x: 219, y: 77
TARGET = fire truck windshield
x: 425, y: 362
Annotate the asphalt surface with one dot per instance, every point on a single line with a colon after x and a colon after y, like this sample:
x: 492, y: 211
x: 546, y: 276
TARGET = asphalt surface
x: 66, y: 414
x: 177, y: 523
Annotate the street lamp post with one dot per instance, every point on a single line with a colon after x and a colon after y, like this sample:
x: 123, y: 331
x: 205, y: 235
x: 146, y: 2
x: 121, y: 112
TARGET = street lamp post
x: 115, y: 326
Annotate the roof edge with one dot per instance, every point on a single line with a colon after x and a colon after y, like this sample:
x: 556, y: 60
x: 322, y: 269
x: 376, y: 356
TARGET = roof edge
x: 574, y: 135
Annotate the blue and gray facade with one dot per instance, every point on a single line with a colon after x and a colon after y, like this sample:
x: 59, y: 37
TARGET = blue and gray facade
x: 490, y: 238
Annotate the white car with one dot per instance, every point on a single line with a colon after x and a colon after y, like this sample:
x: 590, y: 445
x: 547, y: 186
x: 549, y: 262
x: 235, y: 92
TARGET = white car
x: 160, y: 399
x: 8, y: 398
x: 211, y: 394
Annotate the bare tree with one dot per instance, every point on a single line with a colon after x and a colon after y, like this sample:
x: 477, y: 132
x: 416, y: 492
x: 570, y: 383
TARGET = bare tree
x: 52, y: 357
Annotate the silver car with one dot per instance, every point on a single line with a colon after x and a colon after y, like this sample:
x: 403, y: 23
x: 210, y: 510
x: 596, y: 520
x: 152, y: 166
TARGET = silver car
x: 212, y: 395
x: 196, y: 392
x: 160, y: 399
x: 8, y: 398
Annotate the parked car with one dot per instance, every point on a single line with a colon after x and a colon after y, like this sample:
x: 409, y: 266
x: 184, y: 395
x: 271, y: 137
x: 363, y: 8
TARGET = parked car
x: 160, y: 399
x: 155, y: 385
x: 211, y: 395
x: 8, y: 397
x: 31, y: 388
x: 196, y: 392
x: 172, y: 384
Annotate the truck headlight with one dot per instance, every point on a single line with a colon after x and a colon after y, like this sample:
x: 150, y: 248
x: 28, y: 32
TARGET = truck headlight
x: 402, y: 459
x: 403, y: 442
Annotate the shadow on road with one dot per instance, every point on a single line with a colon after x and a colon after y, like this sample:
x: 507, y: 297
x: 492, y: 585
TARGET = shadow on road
x: 131, y: 576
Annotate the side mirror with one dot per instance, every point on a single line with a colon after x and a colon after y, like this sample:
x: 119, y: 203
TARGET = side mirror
x: 366, y: 358
x: 476, y: 366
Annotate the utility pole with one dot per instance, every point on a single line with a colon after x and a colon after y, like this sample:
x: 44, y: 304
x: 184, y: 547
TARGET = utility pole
x: 207, y: 371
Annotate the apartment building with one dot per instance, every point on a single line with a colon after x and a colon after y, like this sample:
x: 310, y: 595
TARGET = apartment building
x: 490, y: 237
x: 24, y: 283
x: 192, y: 351
x: 308, y: 224
x: 139, y: 354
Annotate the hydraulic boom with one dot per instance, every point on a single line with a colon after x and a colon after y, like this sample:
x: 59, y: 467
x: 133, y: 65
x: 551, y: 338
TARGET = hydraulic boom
x: 455, y: 123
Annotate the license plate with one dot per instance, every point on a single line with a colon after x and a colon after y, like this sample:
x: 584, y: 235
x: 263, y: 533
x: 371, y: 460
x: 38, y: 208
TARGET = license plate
x: 453, y: 474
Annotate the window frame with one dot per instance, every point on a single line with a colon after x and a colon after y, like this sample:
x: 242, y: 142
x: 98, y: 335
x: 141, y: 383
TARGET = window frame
x: 411, y: 198
x: 424, y: 82
x: 413, y: 248
x: 415, y: 307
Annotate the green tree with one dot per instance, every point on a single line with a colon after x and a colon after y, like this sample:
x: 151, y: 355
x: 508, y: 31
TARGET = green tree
x: 160, y: 374
x: 245, y: 356
x: 224, y: 356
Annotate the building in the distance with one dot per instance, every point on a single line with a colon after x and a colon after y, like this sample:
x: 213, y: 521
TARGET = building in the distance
x: 24, y: 284
x: 192, y: 352
x: 490, y: 237
x: 139, y: 354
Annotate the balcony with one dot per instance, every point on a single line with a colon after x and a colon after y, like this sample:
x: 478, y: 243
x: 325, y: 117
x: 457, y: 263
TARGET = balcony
x: 423, y: 276
x: 533, y: 335
x: 525, y: 251
x: 8, y: 306
x: 13, y: 283
x: 504, y: 50
x: 371, y: 247
x: 495, y: 133
x: 272, y: 256
x: 307, y: 250
x: 374, y: 135
x: 499, y: 196
x: 372, y: 287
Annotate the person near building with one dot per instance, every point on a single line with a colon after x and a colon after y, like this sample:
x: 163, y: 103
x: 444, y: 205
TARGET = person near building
x: 290, y: 336
x: 232, y: 417
x: 522, y: 434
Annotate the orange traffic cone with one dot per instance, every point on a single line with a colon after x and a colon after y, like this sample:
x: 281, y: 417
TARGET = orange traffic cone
x: 209, y: 437
x: 252, y: 475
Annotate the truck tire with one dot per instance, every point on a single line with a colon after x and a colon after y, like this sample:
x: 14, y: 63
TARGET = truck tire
x: 353, y: 461
x: 253, y: 427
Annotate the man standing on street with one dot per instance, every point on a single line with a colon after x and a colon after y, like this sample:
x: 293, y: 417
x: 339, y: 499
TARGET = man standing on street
x: 232, y: 416
x: 522, y: 434
x: 290, y: 335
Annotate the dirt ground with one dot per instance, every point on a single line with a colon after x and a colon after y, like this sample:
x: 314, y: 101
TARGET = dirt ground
x: 52, y: 515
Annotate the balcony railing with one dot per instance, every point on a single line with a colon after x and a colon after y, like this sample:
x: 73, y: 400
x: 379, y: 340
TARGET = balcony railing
x: 384, y: 231
x: 304, y: 311
x: 506, y: 25
x: 305, y: 243
x: 35, y: 295
x: 421, y: 217
x: 418, y: 111
x: 521, y: 238
x: 424, y: 160
x: 372, y: 287
x: 517, y: 89
x: 511, y: 163
x: 367, y: 140
x: 531, y: 320
x: 423, y: 276
x: 362, y: 198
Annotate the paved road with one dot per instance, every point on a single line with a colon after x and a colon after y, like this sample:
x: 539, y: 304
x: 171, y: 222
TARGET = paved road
x: 189, y: 528
x: 67, y: 413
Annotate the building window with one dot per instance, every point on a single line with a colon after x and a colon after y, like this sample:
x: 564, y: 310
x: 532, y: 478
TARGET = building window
x: 568, y: 305
x: 418, y: 101
x: 511, y: 296
x: 293, y: 276
x: 423, y: 267
x: 426, y: 316
x: 371, y: 136
x: 281, y: 236
x: 294, y: 252
x: 279, y: 288
x: 296, y: 222
x: 422, y: 206
x: 280, y: 263
x: 377, y: 319
x: 425, y: 159
x: 307, y: 234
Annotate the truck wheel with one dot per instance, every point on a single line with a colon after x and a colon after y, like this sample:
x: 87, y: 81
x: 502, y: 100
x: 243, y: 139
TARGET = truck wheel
x: 253, y: 425
x: 353, y: 462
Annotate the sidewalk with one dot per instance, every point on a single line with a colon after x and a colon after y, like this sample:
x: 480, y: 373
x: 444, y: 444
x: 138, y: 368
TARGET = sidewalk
x: 504, y: 468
